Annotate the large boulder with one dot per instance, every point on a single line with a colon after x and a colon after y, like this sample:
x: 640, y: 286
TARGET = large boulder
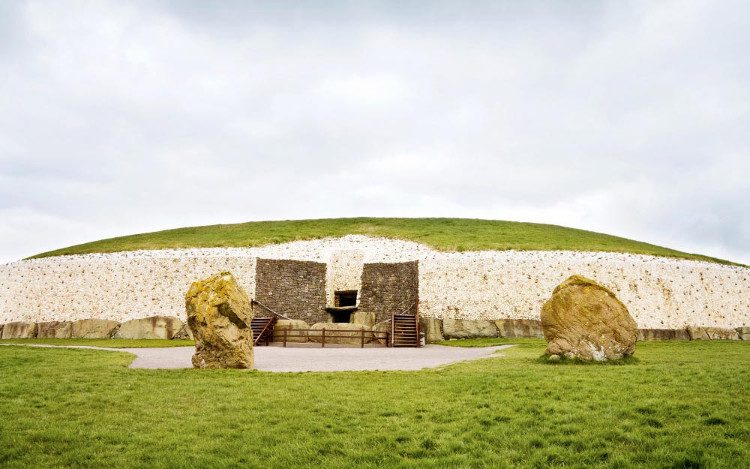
x: 712, y: 333
x: 300, y: 330
x: 219, y: 314
x: 55, y: 330
x: 93, y: 328
x: 468, y: 329
x: 432, y: 328
x: 743, y: 332
x: 585, y: 320
x: 154, y: 327
x: 514, y: 328
x: 19, y: 330
x: 347, y: 333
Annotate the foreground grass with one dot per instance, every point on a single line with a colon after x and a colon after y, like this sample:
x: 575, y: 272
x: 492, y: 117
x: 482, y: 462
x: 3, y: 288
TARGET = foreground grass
x: 112, y: 343
x: 446, y: 234
x: 684, y: 404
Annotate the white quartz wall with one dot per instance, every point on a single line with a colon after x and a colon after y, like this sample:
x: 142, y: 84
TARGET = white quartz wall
x: 660, y: 292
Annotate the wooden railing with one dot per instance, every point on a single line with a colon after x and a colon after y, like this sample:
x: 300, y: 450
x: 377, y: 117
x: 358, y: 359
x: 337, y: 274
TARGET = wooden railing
x: 333, y: 333
x: 267, y: 328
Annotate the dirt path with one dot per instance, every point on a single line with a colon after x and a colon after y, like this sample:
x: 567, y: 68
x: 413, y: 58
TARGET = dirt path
x: 292, y: 359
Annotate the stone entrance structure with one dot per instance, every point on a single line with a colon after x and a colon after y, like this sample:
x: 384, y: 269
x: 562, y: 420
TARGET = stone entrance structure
x: 344, y: 293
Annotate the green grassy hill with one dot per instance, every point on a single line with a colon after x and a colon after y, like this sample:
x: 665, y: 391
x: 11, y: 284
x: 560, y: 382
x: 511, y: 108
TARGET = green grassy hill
x: 445, y: 234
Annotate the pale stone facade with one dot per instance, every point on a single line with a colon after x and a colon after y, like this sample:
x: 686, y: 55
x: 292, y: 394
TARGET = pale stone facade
x: 659, y: 292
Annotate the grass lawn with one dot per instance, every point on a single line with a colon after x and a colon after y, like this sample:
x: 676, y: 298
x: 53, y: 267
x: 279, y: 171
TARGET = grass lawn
x: 446, y: 234
x: 113, y: 343
x: 683, y: 404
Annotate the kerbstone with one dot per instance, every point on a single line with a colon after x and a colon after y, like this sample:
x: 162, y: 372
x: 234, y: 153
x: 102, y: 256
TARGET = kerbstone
x: 351, y: 334
x: 301, y: 329
x: 432, y: 328
x: 468, y: 329
x: 55, y: 330
x: 93, y: 328
x: 19, y: 330
x: 364, y: 318
x: 513, y: 328
x: 663, y: 334
x: 154, y: 327
x: 712, y: 333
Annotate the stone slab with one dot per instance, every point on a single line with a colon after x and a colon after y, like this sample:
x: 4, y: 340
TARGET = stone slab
x: 93, y: 328
x: 432, y: 328
x: 514, y: 328
x: 19, y: 330
x: 712, y: 333
x: 469, y: 329
x: 351, y: 335
x: 55, y: 330
x: 154, y: 327
x: 663, y: 334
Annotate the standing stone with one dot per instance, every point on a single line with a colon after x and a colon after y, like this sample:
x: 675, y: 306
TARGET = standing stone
x: 219, y: 314
x: 55, y: 330
x: 93, y: 328
x: 19, y: 330
x: 154, y: 327
x: 585, y: 320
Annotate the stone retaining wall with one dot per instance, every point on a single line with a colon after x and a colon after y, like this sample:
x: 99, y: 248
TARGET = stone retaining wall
x: 389, y: 288
x: 661, y: 293
x: 293, y: 288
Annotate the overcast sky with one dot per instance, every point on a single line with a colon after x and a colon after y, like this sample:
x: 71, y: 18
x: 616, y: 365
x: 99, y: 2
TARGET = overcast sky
x: 630, y: 118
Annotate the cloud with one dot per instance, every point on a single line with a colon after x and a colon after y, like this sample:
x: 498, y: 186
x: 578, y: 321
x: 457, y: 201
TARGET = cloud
x: 625, y: 117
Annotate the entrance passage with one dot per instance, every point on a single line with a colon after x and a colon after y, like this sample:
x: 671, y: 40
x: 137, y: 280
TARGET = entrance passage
x: 345, y: 303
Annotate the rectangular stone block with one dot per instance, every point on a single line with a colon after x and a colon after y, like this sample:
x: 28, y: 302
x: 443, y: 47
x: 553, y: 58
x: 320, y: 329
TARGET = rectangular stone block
x: 468, y: 329
x: 55, y: 330
x: 432, y: 328
x: 530, y: 328
x: 663, y: 334
x: 93, y: 328
x: 712, y: 333
x: 154, y: 327
x: 19, y: 330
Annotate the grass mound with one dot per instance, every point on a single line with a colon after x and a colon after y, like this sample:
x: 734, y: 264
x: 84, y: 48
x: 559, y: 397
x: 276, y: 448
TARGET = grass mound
x: 683, y: 404
x: 446, y: 234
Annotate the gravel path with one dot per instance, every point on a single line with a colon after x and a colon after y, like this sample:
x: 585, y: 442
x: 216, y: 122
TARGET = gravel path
x: 292, y: 359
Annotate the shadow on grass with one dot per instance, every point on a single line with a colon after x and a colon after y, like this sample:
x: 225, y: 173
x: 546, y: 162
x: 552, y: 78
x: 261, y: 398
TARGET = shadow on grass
x: 545, y: 360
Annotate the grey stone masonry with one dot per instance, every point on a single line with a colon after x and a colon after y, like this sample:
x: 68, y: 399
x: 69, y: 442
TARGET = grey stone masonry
x: 296, y: 289
x: 389, y: 288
